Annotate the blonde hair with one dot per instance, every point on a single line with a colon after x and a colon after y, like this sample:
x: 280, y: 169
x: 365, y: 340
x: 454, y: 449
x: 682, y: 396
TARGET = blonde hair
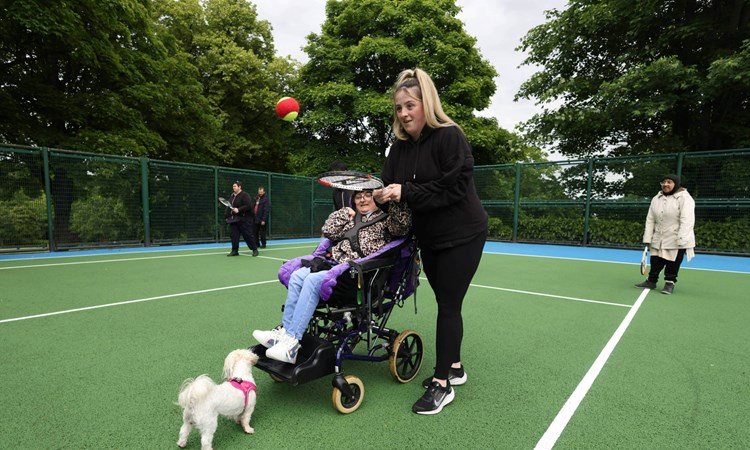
x: 419, y: 86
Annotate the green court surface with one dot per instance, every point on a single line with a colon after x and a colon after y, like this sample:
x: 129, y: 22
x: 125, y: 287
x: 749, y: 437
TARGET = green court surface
x: 559, y: 353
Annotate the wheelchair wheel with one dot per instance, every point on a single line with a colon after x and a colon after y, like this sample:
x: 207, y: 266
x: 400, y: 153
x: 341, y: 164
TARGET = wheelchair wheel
x: 406, y: 357
x: 344, y: 404
x: 276, y: 378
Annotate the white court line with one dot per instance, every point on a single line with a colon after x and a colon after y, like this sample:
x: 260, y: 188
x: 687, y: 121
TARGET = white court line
x: 552, y: 296
x: 557, y: 426
x: 140, y: 300
x: 73, y: 263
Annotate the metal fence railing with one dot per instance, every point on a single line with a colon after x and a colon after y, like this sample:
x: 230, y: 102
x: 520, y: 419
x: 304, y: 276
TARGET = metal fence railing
x: 54, y: 199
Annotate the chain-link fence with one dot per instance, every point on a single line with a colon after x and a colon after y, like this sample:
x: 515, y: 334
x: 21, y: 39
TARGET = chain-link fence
x: 55, y: 199
x: 604, y: 201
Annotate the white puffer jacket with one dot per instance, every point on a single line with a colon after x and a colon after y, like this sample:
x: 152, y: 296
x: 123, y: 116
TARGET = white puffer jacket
x: 670, y: 221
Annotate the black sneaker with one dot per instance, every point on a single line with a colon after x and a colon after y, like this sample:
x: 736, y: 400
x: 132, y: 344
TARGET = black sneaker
x: 456, y: 377
x: 233, y: 254
x: 255, y: 253
x: 434, y: 399
x: 646, y: 285
x: 668, y: 288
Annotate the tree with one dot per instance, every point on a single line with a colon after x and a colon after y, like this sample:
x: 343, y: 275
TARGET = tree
x: 354, y: 62
x: 621, y: 77
x: 240, y: 76
x: 94, y: 76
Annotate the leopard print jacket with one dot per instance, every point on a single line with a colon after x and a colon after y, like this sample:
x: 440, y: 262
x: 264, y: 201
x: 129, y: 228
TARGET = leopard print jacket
x: 372, y: 238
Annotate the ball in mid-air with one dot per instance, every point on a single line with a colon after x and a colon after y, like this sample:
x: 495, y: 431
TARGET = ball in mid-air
x: 287, y: 109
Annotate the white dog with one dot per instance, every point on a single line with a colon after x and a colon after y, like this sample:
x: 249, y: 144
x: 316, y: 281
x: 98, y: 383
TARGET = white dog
x: 203, y: 400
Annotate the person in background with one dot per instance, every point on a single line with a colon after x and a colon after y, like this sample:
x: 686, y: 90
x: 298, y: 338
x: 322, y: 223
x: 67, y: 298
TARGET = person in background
x: 240, y: 219
x: 341, y: 197
x: 669, y: 232
x: 430, y: 167
x: 260, y: 213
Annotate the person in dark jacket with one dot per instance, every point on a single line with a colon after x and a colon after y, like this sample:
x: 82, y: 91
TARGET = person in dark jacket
x: 431, y: 168
x: 240, y: 220
x: 261, y: 210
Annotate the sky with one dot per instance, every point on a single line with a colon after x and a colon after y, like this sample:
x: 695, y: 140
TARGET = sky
x: 498, y: 26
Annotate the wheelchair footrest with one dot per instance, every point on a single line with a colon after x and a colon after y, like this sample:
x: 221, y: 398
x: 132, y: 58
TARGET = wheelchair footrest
x: 316, y: 359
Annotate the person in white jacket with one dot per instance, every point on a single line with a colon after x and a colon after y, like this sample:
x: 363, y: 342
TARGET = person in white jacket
x: 669, y: 232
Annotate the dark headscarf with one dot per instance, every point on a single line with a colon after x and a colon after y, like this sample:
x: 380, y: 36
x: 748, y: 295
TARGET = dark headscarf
x: 676, y: 180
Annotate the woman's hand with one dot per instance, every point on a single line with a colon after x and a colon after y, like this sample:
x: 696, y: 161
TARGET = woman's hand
x: 392, y: 192
x: 349, y: 212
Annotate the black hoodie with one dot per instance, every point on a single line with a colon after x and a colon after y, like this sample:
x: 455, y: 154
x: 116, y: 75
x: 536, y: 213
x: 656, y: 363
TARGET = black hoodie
x: 436, y: 174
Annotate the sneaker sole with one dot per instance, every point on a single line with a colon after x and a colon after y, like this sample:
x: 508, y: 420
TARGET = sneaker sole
x: 458, y: 381
x: 448, y: 399
x: 283, y: 358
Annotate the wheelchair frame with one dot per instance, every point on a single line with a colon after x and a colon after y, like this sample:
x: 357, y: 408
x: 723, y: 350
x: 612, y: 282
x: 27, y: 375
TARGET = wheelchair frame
x: 336, y: 330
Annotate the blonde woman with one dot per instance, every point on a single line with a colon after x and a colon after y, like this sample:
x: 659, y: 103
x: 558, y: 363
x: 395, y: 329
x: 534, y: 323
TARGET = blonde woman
x: 431, y: 168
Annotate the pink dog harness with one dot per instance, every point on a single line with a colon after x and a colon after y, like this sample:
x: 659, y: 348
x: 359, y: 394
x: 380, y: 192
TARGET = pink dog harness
x: 243, y: 385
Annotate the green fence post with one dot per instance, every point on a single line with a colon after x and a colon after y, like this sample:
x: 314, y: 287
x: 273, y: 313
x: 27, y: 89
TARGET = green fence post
x: 680, y: 157
x: 145, y: 203
x: 589, y: 179
x: 48, y: 194
x: 216, y: 204
x: 269, y: 222
x: 516, y: 201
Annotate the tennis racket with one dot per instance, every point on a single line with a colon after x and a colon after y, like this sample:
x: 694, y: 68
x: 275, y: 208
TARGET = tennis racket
x: 225, y: 202
x: 350, y: 180
x: 644, y: 261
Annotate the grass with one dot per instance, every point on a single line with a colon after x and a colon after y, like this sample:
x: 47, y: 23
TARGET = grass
x: 105, y: 374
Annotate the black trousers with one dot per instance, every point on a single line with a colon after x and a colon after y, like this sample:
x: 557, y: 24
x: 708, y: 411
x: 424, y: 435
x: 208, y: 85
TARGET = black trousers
x: 449, y: 272
x: 672, y: 267
x: 244, y: 228
x: 260, y: 234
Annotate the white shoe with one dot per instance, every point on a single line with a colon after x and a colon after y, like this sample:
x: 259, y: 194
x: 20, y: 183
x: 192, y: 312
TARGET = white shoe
x: 285, y: 350
x: 269, y: 338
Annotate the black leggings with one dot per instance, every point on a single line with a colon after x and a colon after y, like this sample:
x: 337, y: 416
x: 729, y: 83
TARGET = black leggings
x: 449, y: 272
x: 672, y: 267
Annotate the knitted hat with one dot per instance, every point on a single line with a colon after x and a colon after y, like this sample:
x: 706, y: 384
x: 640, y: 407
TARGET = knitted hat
x: 676, y: 181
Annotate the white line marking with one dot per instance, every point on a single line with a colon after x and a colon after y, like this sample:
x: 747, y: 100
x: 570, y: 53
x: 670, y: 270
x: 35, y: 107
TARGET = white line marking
x: 552, y: 296
x: 30, y: 266
x: 557, y: 426
x: 140, y: 300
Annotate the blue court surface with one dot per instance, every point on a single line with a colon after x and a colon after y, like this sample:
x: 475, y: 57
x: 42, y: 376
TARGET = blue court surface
x: 740, y: 264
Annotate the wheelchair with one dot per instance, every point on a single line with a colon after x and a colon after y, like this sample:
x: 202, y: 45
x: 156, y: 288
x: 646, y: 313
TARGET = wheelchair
x: 356, y: 301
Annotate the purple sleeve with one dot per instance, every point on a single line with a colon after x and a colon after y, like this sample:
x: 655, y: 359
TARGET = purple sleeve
x: 331, y: 278
x: 286, y: 269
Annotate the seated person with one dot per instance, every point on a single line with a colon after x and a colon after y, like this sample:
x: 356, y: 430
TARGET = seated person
x: 355, y: 235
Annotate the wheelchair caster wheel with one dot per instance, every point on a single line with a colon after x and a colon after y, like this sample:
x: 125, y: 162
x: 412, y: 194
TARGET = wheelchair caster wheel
x: 344, y: 404
x: 406, y: 356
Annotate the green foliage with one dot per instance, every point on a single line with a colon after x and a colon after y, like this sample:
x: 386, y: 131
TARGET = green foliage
x: 731, y: 234
x: 99, y: 219
x: 23, y: 220
x: 622, y: 77
x: 615, y: 232
x: 550, y: 228
x: 363, y: 46
x: 496, y: 229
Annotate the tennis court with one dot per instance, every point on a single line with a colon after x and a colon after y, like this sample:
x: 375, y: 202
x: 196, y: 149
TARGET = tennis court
x: 561, y: 351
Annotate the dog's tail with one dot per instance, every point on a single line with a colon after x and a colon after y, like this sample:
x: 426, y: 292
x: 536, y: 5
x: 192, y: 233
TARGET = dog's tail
x: 193, y: 391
